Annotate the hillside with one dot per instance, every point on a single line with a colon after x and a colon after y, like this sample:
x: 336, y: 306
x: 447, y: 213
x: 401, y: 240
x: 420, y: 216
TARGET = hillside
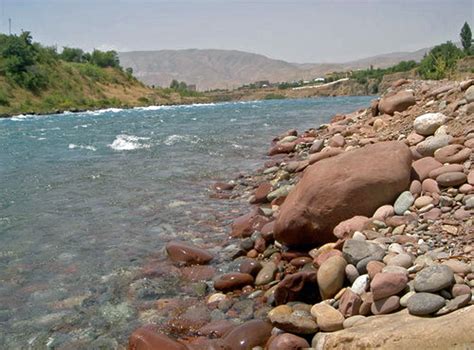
x: 224, y: 69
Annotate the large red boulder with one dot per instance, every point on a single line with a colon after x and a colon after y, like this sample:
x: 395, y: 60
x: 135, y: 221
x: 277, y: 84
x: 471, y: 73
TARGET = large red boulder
x: 396, y: 103
x: 338, y: 188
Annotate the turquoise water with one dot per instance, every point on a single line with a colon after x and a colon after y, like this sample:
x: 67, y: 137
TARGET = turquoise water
x: 88, y: 199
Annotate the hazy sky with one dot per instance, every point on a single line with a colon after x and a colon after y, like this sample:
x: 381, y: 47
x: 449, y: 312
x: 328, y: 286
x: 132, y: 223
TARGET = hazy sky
x: 297, y: 31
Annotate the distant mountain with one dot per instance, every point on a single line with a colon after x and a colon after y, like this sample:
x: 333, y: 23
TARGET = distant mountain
x: 226, y: 69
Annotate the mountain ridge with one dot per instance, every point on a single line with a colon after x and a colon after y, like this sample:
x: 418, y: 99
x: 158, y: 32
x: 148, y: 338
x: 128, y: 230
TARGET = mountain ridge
x: 227, y: 69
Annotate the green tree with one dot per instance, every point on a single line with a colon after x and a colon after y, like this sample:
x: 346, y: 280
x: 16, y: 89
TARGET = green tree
x: 174, y: 84
x: 71, y: 54
x: 466, y: 37
x: 440, y: 61
x: 105, y: 59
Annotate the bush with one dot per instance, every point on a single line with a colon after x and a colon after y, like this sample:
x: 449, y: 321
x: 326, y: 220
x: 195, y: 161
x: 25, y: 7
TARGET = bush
x: 273, y: 96
x: 440, y: 61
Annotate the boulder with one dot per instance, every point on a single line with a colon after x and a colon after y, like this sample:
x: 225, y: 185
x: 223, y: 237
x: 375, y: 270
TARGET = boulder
x: 338, y: 188
x: 403, y: 331
x: 396, y: 103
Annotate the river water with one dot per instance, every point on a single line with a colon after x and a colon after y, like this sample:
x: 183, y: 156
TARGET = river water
x: 88, y: 199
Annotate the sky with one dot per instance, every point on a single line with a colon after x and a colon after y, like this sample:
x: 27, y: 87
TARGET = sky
x: 296, y: 31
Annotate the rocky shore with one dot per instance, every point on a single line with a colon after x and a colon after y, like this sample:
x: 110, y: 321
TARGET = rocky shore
x: 359, y: 235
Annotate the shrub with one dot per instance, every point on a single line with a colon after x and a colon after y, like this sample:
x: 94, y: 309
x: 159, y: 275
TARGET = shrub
x: 440, y: 61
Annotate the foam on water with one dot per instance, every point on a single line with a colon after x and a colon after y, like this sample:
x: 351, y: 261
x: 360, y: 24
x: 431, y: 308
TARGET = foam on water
x: 173, y: 139
x: 90, y: 148
x: 129, y: 142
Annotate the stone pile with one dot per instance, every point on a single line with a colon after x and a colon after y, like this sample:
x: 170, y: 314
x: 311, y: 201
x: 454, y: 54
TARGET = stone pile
x: 369, y: 215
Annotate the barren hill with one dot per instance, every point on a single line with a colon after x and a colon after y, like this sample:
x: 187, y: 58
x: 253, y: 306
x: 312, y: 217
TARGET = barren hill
x: 211, y: 69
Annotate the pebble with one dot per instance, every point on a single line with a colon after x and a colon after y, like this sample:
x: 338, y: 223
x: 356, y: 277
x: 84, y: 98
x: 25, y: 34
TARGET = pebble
x: 361, y: 284
x: 350, y: 303
x: 187, y: 253
x: 403, y: 260
x: 386, y: 284
x: 403, y: 202
x: 328, y: 318
x: 404, y: 298
x: 423, y: 201
x: 427, y: 124
x: 351, y: 273
x: 386, y: 305
x: 434, y: 278
x: 354, y: 251
x: 247, y: 335
x: 250, y: 266
x: 422, y: 304
x: 287, y: 341
x: 353, y: 320
x: 331, y: 276
x: 231, y: 281
x: 266, y: 274
x: 297, y: 322
x: 374, y: 267
x: 460, y: 289
x: 454, y: 304
x: 451, y: 179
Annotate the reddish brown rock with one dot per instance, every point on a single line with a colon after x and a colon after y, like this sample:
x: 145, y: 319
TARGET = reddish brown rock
x: 452, y: 154
x: 267, y: 231
x: 232, y: 281
x: 185, y: 253
x: 261, y: 192
x: 422, y: 167
x: 350, y: 303
x: 248, y: 335
x: 336, y: 189
x: 415, y: 188
x: 396, y: 103
x: 217, y: 328
x: 331, y: 276
x: 430, y: 186
x: 326, y: 153
x: 448, y: 168
x: 336, y: 141
x: 321, y: 258
x: 386, y: 284
x: 470, y: 177
x: 374, y: 107
x: 374, y: 267
x: 345, y: 228
x: 146, y: 339
x: 245, y: 225
x: 414, y: 139
x: 287, y: 341
x: 282, y: 148
x: 198, y: 273
x: 451, y: 179
x: 250, y: 266
x: 300, y: 286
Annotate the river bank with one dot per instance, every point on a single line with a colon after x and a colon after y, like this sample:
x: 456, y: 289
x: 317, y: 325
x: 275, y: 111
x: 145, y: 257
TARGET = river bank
x: 356, y: 230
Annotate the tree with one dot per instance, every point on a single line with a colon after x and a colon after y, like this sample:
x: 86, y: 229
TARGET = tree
x: 440, y: 61
x: 71, y: 54
x: 105, y: 59
x: 466, y: 37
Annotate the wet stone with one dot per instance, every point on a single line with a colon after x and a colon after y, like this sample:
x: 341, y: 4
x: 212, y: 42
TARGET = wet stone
x: 231, y: 281
x: 188, y: 254
x: 266, y: 274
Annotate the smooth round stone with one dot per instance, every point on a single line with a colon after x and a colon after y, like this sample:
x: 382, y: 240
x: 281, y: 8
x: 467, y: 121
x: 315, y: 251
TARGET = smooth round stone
x: 359, y: 236
x: 349, y: 304
x: 458, y: 266
x: 331, y: 276
x: 328, y: 318
x: 422, y: 304
x: 374, y: 267
x: 351, y: 273
x: 451, y: 179
x: 447, y: 168
x: 427, y: 124
x: 403, y: 260
x: 460, y: 289
x: 287, y: 341
x: 454, y: 304
x: 301, y: 261
x: 231, y: 281
x: 386, y: 305
x: 452, y: 154
x: 431, y: 144
x: 250, y: 266
x: 353, y: 320
x: 403, y: 202
x: 187, y: 253
x: 216, y: 297
x: 395, y: 269
x: 383, y: 212
x: 355, y: 251
x: 466, y: 188
x: 248, y: 335
x: 386, y: 284
x: 434, y: 278
x: 280, y: 310
x: 396, y: 248
x: 415, y: 188
x: 430, y: 186
x: 266, y: 274
x: 297, y: 322
x: 404, y: 299
x: 423, y: 201
x: 144, y: 338
x: 361, y: 284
